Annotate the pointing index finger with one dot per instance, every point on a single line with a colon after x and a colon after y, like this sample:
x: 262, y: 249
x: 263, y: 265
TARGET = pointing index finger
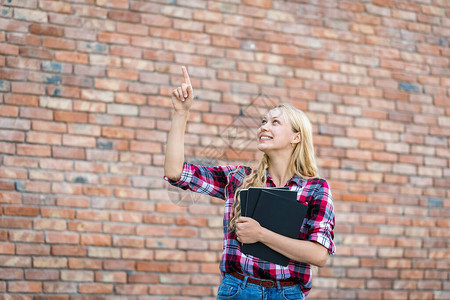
x: 187, y: 80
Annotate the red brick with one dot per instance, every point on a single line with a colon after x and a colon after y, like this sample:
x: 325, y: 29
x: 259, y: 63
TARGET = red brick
x: 125, y: 51
x: 91, y: 167
x: 56, y: 164
x: 24, y: 286
x: 71, y: 57
x: 119, y: 265
x: 123, y: 74
x: 7, y: 248
x: 62, y: 238
x: 9, y: 50
x: 7, y: 185
x: 45, y: 262
x: 197, y: 291
x: 74, y: 117
x: 379, y: 284
x: 97, y: 191
x: 35, y: 274
x: 12, y: 74
x: 21, y: 211
x: 48, y: 126
x: 95, y: 288
x: 96, y: 240
x: 85, y: 263
x: 41, y: 29
x: 132, y: 289
x: 59, y: 287
x: 120, y: 133
x: 259, y: 3
x: 199, y: 256
x: 55, y: 43
x: 89, y: 107
x: 139, y: 205
x: 143, y: 278
x: 30, y: 249
x: 119, y: 229
x: 79, y: 81
x: 72, y: 201
x: 108, y: 37
x: 124, y: 16
x: 191, y: 37
x: 153, y: 266
x: 7, y: 148
x: 55, y: 6
x: 134, y: 29
x: 92, y: 215
x: 28, y: 88
x: 156, y: 289
x: 71, y: 250
x: 352, y: 6
x: 34, y: 150
x: 165, y: 33
x: 222, y: 41
x: 57, y: 213
x: 44, y: 138
x: 111, y: 276
x: 9, y: 111
x: 11, y: 274
x: 72, y: 275
x: 351, y: 283
x: 153, y: 242
x: 77, y: 141
x: 151, y: 230
x: 131, y: 242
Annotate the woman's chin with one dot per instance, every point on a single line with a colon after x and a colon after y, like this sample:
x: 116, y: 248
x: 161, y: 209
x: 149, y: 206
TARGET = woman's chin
x: 262, y: 148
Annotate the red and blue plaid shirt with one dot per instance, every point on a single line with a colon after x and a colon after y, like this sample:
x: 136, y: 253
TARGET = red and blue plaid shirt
x: 317, y: 226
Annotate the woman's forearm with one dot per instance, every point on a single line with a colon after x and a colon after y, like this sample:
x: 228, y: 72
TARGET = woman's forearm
x: 182, y: 98
x: 298, y: 250
x: 174, y: 159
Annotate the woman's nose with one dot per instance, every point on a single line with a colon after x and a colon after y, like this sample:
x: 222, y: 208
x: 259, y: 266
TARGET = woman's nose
x: 263, y: 127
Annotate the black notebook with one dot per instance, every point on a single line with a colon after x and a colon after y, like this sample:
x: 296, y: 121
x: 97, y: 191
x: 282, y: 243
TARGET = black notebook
x: 276, y: 209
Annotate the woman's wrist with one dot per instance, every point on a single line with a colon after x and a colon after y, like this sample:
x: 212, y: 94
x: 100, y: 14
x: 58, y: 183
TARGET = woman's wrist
x: 181, y: 113
x: 262, y: 236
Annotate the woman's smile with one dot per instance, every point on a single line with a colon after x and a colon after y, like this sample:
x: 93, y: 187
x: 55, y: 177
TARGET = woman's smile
x: 264, y: 137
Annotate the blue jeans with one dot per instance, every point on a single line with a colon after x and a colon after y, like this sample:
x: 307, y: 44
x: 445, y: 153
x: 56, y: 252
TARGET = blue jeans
x: 234, y: 288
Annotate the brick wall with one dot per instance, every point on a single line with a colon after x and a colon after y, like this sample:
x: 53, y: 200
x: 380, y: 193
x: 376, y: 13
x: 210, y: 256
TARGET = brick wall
x: 85, y: 111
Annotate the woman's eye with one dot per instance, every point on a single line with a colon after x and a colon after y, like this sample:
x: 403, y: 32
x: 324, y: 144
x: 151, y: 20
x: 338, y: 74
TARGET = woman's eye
x: 276, y: 121
x: 263, y: 122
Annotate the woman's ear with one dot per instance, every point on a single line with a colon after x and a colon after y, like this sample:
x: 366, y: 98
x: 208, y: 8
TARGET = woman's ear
x: 297, y: 138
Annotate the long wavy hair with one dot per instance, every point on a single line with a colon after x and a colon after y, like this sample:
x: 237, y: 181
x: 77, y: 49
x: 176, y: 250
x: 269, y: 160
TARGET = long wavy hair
x: 302, y: 161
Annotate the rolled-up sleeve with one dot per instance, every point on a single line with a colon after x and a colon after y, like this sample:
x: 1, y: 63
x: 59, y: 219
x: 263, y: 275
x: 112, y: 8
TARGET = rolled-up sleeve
x: 205, y: 180
x: 321, y: 221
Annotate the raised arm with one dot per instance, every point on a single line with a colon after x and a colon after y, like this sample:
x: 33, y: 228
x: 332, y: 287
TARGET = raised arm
x: 182, y: 98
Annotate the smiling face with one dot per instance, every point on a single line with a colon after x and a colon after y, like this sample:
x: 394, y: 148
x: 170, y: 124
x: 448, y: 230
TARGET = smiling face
x: 275, y: 132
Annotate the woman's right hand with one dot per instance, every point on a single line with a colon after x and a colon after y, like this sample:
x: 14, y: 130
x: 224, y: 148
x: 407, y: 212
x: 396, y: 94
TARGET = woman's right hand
x: 183, y: 95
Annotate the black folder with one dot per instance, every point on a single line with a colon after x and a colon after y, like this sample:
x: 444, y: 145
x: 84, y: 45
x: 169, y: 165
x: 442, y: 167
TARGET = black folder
x: 276, y: 209
x: 248, y: 206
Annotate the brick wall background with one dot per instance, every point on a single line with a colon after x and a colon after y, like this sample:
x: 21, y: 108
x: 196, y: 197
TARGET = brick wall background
x: 85, y: 111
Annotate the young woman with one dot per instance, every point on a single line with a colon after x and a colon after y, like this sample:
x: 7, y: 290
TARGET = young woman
x: 285, y: 138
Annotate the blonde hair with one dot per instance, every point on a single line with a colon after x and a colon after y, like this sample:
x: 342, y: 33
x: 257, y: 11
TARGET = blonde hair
x: 302, y: 162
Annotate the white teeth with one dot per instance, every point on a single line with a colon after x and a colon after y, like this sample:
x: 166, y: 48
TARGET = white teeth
x: 265, y: 138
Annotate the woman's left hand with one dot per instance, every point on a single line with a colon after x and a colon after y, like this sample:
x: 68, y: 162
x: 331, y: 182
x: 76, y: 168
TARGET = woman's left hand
x: 248, y: 230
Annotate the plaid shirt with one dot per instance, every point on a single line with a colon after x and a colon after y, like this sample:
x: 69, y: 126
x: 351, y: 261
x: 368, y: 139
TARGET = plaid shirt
x: 317, y: 226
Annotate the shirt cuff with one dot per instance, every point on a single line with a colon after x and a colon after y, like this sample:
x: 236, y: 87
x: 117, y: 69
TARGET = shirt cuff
x: 324, y: 240
x: 185, y: 179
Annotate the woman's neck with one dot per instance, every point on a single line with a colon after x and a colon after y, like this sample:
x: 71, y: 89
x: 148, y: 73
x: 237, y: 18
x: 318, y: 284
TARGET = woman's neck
x: 279, y: 170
